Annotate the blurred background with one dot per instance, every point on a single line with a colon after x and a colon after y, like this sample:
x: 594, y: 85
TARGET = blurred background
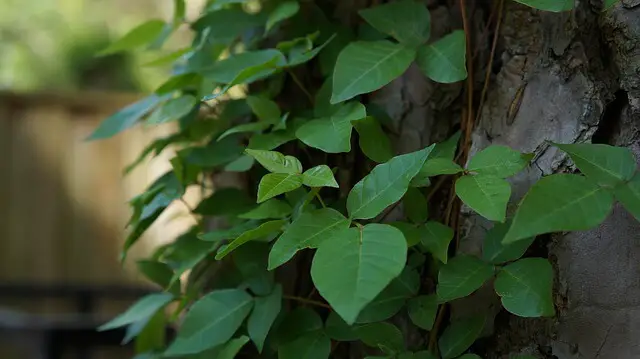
x: 63, y: 201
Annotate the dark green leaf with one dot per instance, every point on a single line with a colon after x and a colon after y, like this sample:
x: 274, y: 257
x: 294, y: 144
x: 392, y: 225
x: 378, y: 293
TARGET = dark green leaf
x: 374, y: 143
x: 245, y: 127
x: 168, y: 58
x: 411, y: 232
x: 392, y: 298
x: 496, y: 252
x: 486, y: 195
x: 232, y: 348
x: 463, y: 275
x: 251, y: 261
x: 269, y: 141
x: 152, y: 335
x: 447, y: 149
x: 470, y: 356
x: 381, y: 335
x: 407, y: 21
x: 297, y: 323
x: 439, y: 166
x: 227, y: 70
x: 549, y: 5
x: 276, y: 162
x: 265, y: 109
x: 242, y: 164
x: 498, y: 161
x: 629, y: 195
x: 415, y: 205
x: 141, y: 35
x: 273, y: 208
x: 229, y: 201
x: 215, y: 154
x: 436, y: 238
x: 422, y: 311
x: 332, y: 134
x: 142, y: 309
x: 444, y: 60
x: 225, y: 25
x: 459, y: 336
x: 314, y: 345
x: 282, y: 12
x: 274, y: 184
x: 337, y: 329
x: 125, y: 118
x: 604, y: 164
x: 264, y: 313
x: 159, y: 273
x: 525, y: 287
x: 319, y: 176
x: 252, y: 234
x: 172, y: 110
x: 299, y: 55
x: 179, y: 82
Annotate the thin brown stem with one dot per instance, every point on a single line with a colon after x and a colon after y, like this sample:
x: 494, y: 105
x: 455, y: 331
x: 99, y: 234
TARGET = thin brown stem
x: 494, y: 44
x: 468, y: 125
x: 301, y: 85
x: 306, y: 301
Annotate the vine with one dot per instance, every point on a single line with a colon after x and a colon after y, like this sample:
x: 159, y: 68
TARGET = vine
x: 364, y: 271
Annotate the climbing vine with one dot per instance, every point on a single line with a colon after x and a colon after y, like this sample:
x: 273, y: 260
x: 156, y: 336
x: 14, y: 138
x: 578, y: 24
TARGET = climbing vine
x: 227, y: 288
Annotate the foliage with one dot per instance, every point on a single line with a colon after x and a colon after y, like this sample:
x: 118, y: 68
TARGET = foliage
x: 363, y: 271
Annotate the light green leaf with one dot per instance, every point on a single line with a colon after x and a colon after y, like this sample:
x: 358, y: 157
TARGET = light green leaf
x: 496, y: 252
x: 352, y: 267
x: 561, y: 202
x: 498, y: 161
x: 216, y: 317
x: 415, y: 205
x: 392, y: 298
x: 439, y: 166
x: 374, y: 143
x: 274, y: 184
x: 525, y: 287
x: 276, y: 162
x: 252, y: 234
x: 125, y: 118
x: 463, y: 275
x: 319, y: 176
x: 436, y: 238
x: 549, y: 5
x: 629, y: 195
x: 248, y: 75
x: 314, y: 345
x: 385, y: 185
x: 381, y: 335
x: 604, y: 164
x: 282, y: 12
x: 265, y: 312
x: 332, y: 134
x: 308, y: 231
x: 337, y: 329
x: 245, y: 127
x: 273, y: 208
x: 143, y: 309
x: 444, y: 60
x: 486, y: 195
x: 179, y: 82
x: 141, y: 35
x: 168, y: 58
x: 172, y: 110
x: 363, y: 67
x: 459, y: 336
x: 265, y: 109
x: 422, y: 311
x: 407, y: 21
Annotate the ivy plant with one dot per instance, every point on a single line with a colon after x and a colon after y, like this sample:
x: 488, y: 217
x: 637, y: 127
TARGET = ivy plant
x: 226, y: 289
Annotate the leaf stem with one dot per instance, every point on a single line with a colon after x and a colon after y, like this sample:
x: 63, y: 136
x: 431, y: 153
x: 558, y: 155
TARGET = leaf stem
x: 320, y: 199
x: 301, y: 85
x: 307, y: 301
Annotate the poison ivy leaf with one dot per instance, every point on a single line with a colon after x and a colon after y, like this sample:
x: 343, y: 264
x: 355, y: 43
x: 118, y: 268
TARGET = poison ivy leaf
x: 444, y: 60
x: 381, y: 335
x: 224, y: 25
x: 230, y: 70
x: 459, y: 336
x: 242, y: 164
x: 486, y: 195
x: 436, y: 238
x: 252, y: 234
x: 314, y: 345
x: 407, y: 21
x: 269, y: 141
x: 363, y: 67
x: 496, y: 252
x: 232, y: 348
x: 125, y: 118
x: 282, y: 12
x: 142, y: 309
x: 385, y: 185
x: 525, y: 287
x: 392, y: 298
x: 297, y: 323
x: 265, y: 109
x: 498, y: 161
x: 447, y: 149
x: 319, y: 176
x: 229, y: 201
x: 141, y: 35
x: 422, y: 311
x: 337, y: 329
x: 332, y: 134
x: 411, y: 232
x: 308, y: 231
x: 415, y: 205
x: 179, y: 82
x: 265, y: 312
x: 462, y: 276
x: 354, y: 265
x: 245, y: 127
x: 276, y: 162
x: 172, y: 110
x: 374, y: 143
x: 629, y: 195
x: 439, y: 166
x: 299, y: 55
x: 273, y: 208
x: 561, y: 202
x: 549, y: 5
x: 216, y: 317
x: 604, y: 164
x: 274, y: 184
x: 159, y: 273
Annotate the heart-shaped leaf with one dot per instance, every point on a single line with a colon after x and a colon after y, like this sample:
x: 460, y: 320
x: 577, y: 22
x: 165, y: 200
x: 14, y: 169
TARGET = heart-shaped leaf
x: 265, y: 312
x: 604, y: 164
x: 525, y: 287
x: 486, y: 195
x: 392, y: 298
x: 422, y: 311
x: 436, y: 238
x: 332, y: 134
x: 496, y: 252
x: 444, y: 60
x: 463, y: 275
x: 381, y: 335
x: 319, y: 176
x: 276, y: 162
x: 407, y: 21
x: 374, y: 143
x: 274, y: 184
x: 498, y: 161
x: 459, y: 336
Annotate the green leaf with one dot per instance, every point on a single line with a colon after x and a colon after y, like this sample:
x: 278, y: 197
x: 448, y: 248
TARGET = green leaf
x: 265, y: 109
x: 228, y: 70
x: 159, y: 273
x: 385, y: 185
x: 447, y: 149
x: 214, y: 154
x: 269, y: 141
x: 629, y: 195
x: 422, y: 311
x: 216, y: 317
x: 337, y: 329
x: 319, y: 176
x: 252, y: 234
x: 144, y: 308
x: 498, y: 161
x: 463, y: 275
x: 353, y: 266
x: 439, y: 166
x: 276, y: 162
x: 172, y: 110
x: 242, y: 164
x: 314, y: 345
x: 299, y: 55
x: 308, y: 231
x: 374, y: 143
x: 486, y: 195
x: 179, y: 82
x: 274, y: 184
x: 549, y: 5
x: 251, y: 262
x: 363, y: 67
x: 382, y: 335
x: 604, y: 164
x: 459, y: 336
x: 232, y: 348
x: 608, y: 4
x: 410, y: 231
x: 332, y: 134
x: 245, y: 127
x: 229, y: 201
x: 444, y: 60
x: 496, y: 252
x: 282, y: 12
x: 407, y: 21
x: 525, y: 287
x: 273, y: 208
x: 223, y: 26
x: 561, y: 202
x: 436, y: 238
x: 415, y: 205
x: 264, y: 314
x: 392, y: 298
x: 168, y: 58
x: 141, y: 35
x: 297, y: 323
x: 125, y: 118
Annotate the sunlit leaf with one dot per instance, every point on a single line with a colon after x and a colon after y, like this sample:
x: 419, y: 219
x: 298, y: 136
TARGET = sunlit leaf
x: 276, y: 162
x: 319, y: 176
x: 274, y: 184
